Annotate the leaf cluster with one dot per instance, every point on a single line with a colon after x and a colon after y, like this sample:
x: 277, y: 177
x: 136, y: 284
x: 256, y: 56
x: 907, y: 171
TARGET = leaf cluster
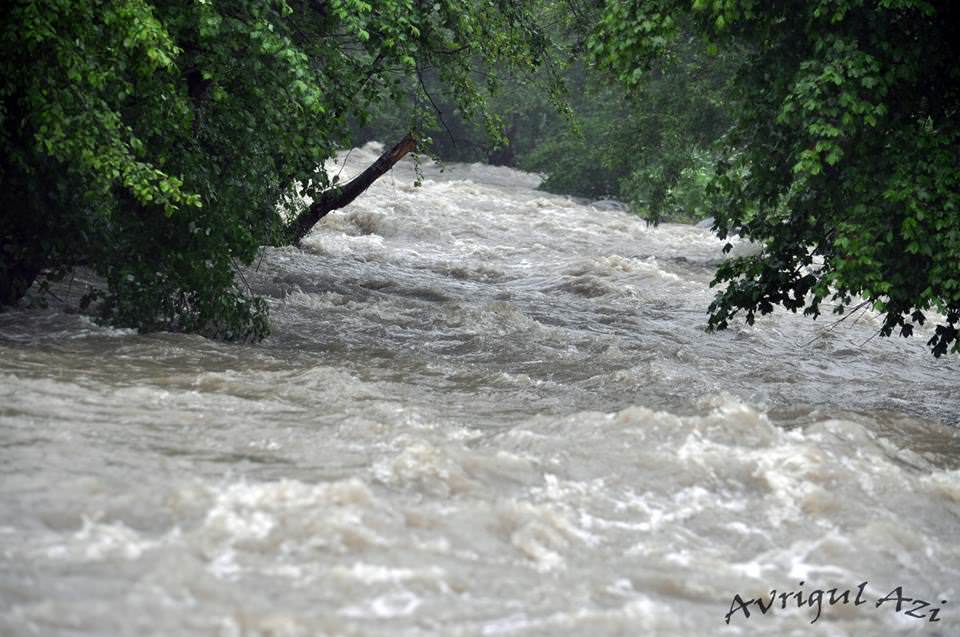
x: 844, y: 160
x: 153, y: 140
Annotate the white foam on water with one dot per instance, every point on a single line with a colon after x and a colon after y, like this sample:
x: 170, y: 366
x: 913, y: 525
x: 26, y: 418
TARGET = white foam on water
x: 484, y: 409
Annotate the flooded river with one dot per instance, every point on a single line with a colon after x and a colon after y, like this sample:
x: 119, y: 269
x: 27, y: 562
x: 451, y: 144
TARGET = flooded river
x: 484, y: 410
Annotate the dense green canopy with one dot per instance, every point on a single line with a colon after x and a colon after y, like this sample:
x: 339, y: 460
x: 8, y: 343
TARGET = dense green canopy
x: 153, y: 139
x: 844, y: 161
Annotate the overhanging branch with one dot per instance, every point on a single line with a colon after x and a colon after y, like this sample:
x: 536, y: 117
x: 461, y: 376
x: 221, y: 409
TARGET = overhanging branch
x: 339, y: 196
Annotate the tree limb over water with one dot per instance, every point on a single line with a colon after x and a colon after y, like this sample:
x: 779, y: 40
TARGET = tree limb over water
x: 340, y: 196
x: 154, y: 140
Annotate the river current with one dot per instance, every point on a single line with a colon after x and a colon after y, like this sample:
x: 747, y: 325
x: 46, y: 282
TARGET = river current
x: 483, y: 410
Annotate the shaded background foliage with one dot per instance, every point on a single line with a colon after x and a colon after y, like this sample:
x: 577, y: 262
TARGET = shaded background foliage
x: 651, y: 144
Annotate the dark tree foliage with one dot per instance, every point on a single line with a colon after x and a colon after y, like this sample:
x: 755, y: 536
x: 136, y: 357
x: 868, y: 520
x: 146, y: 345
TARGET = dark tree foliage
x: 651, y: 143
x: 152, y: 140
x: 844, y: 162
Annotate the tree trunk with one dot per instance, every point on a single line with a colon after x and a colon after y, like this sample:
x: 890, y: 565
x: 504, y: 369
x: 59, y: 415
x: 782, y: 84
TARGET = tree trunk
x: 340, y: 196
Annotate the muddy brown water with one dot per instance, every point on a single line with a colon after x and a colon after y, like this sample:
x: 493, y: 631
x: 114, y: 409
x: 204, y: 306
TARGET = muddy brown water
x: 484, y: 410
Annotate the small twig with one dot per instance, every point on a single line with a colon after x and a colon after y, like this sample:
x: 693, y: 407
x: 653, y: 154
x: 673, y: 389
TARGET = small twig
x: 875, y: 335
x: 342, y: 166
x: 233, y: 261
x: 459, y: 49
x: 51, y: 293
x: 73, y: 275
x: 835, y: 324
x: 435, y: 107
x: 862, y: 314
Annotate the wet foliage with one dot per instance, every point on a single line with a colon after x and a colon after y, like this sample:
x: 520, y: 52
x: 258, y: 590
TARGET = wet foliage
x: 844, y: 160
x: 153, y: 140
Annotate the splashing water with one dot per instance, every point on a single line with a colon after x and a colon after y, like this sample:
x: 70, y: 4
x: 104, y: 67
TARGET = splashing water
x: 485, y: 410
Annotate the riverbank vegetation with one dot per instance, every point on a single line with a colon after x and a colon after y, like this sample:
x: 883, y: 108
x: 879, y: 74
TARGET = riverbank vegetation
x: 152, y: 141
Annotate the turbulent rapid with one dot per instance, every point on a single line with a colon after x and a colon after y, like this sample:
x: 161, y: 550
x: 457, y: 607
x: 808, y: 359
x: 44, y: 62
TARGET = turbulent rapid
x: 483, y: 410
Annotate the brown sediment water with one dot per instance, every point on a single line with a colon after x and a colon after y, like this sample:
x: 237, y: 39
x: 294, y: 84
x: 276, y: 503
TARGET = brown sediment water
x: 484, y: 410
